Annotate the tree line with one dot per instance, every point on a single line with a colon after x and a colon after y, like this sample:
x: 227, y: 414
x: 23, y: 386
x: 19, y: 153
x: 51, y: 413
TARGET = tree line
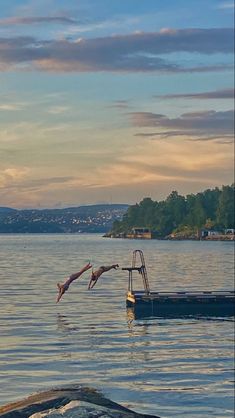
x: 211, y: 209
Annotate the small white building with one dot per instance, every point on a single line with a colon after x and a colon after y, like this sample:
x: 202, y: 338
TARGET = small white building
x: 229, y: 231
x: 212, y: 233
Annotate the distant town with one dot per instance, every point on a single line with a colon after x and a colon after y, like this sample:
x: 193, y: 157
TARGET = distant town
x: 94, y: 218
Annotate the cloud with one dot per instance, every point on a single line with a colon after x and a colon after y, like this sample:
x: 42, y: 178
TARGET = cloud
x: 221, y: 139
x: 9, y: 107
x: 120, y: 104
x: 166, y: 163
x: 216, y: 94
x: 12, y: 175
x: 209, y: 124
x: 131, y: 53
x: 19, y: 183
x: 57, y: 110
x: 12, y: 21
x: 147, y: 165
x: 226, y: 5
x: 49, y: 183
x: 20, y: 179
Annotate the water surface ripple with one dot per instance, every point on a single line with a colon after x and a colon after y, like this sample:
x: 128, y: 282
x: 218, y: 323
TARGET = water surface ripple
x: 167, y: 367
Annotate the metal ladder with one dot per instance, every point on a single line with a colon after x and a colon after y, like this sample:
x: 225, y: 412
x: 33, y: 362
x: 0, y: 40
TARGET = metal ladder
x: 142, y: 268
x: 138, y: 258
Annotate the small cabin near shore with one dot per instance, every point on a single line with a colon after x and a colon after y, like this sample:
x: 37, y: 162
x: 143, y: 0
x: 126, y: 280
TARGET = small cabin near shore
x: 226, y: 234
x: 230, y: 231
x: 140, y: 233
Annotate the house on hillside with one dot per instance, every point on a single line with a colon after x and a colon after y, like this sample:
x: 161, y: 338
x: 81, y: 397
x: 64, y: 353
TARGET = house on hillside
x: 140, y: 233
x: 223, y: 235
x: 229, y: 231
x: 203, y: 233
x: 213, y: 233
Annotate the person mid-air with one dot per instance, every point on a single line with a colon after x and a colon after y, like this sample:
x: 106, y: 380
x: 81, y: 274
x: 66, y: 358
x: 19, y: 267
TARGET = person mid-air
x: 62, y: 288
x: 96, y: 274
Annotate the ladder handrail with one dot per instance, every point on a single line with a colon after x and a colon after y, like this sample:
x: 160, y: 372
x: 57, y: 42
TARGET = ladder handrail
x: 142, y: 270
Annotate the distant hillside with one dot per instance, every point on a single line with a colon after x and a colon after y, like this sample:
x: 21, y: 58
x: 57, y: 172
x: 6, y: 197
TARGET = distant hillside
x: 6, y: 210
x: 93, y: 218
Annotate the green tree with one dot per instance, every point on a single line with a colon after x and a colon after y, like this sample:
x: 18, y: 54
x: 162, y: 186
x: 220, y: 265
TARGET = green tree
x: 176, y: 206
x: 210, y: 199
x: 208, y: 208
x: 196, y: 214
x: 225, y: 211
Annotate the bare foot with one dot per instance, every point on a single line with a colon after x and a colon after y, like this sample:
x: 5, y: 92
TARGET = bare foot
x: 87, y: 266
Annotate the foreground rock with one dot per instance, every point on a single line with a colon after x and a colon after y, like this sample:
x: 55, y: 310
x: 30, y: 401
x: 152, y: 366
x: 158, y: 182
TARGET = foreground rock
x: 71, y: 402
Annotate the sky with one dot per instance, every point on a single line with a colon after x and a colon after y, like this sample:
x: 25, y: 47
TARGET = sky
x: 111, y: 101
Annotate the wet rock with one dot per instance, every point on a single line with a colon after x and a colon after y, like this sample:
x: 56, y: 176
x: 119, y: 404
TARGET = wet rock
x: 70, y: 402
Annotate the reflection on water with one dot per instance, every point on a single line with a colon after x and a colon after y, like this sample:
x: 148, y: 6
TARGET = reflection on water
x: 133, y: 313
x: 64, y: 325
x: 130, y: 314
x: 167, y: 367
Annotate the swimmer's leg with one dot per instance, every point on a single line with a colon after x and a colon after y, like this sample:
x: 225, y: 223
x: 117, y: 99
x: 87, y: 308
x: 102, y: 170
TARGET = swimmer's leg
x: 62, y: 290
x: 92, y: 283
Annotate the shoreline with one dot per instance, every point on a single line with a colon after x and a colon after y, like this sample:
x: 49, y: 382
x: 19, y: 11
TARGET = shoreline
x: 207, y: 239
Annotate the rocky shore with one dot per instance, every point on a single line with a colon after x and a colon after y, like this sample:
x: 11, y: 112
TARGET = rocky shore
x: 176, y: 237
x: 68, y: 402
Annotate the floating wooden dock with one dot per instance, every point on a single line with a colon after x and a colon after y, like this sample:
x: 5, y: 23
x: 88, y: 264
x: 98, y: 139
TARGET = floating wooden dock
x: 174, y: 304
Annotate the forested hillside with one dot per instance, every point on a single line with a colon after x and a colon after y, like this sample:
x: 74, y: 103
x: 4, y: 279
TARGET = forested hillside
x: 209, y: 209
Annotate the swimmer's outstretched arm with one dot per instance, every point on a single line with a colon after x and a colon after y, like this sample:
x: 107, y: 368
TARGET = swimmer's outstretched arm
x: 62, y: 288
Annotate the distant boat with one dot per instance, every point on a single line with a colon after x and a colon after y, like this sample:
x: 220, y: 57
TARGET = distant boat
x: 174, y: 304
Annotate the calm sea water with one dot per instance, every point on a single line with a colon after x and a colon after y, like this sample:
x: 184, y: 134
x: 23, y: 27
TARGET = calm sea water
x: 169, y: 367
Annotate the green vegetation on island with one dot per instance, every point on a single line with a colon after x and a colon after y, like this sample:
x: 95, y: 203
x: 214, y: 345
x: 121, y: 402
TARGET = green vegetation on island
x: 180, y: 216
